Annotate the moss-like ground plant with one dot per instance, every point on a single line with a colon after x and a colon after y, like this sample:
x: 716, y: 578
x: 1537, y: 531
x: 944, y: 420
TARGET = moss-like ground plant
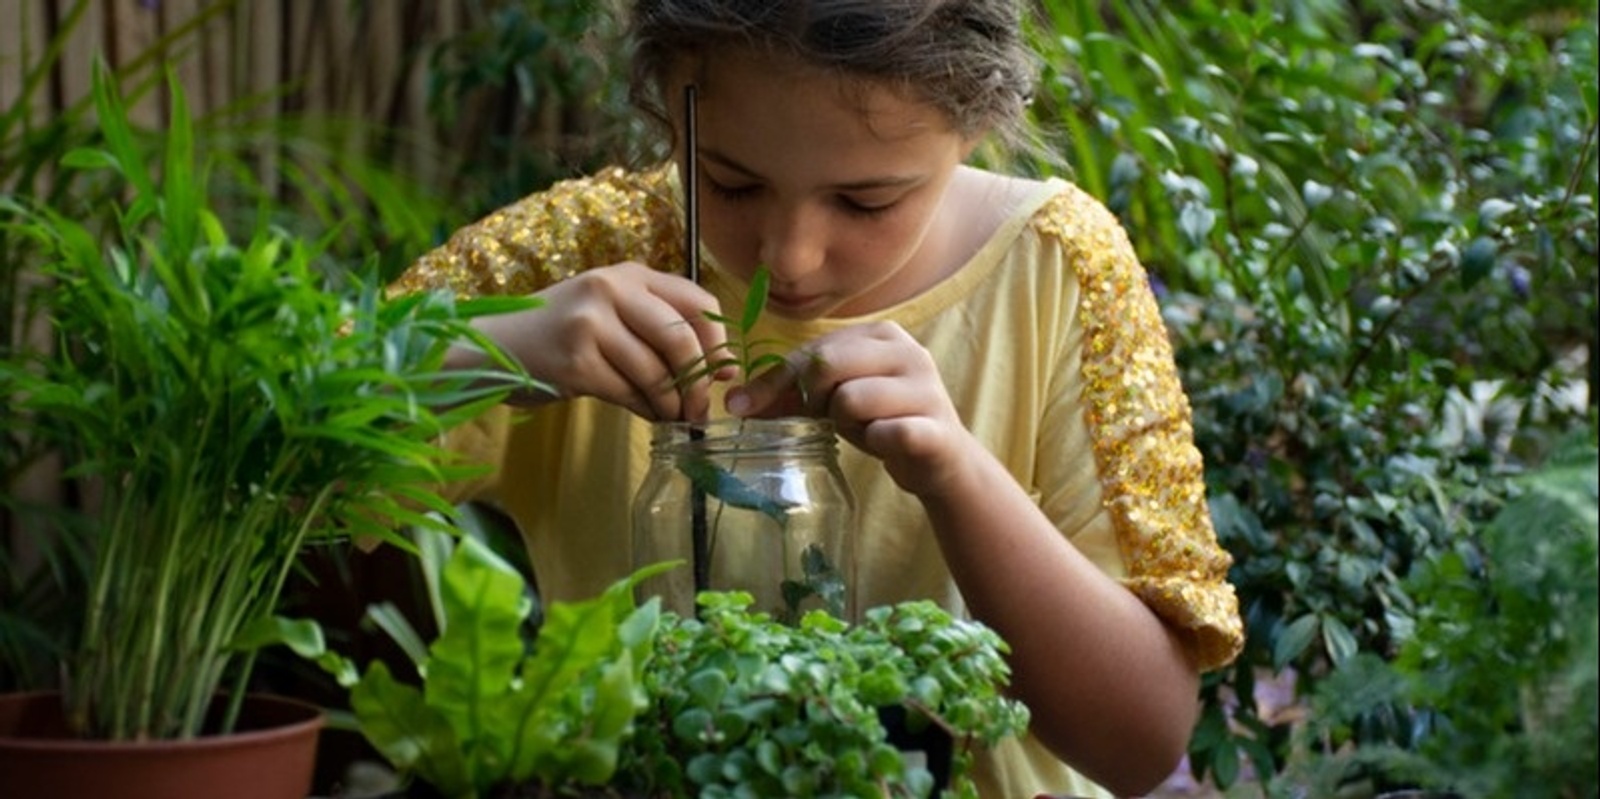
x: 744, y: 705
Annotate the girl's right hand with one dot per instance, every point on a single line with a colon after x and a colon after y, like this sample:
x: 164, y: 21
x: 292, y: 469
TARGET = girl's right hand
x: 623, y: 334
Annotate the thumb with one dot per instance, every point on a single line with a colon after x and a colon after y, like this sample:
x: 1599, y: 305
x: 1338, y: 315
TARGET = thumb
x: 777, y: 391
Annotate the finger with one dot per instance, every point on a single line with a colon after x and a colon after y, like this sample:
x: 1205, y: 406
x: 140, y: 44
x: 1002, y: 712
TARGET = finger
x: 693, y: 304
x: 670, y: 316
x: 642, y: 373
x: 782, y: 390
x: 856, y: 403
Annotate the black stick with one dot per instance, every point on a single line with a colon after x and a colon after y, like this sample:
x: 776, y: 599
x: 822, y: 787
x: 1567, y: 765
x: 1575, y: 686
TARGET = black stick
x: 701, y: 557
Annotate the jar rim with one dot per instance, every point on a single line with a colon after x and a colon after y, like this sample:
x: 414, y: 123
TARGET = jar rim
x: 783, y: 432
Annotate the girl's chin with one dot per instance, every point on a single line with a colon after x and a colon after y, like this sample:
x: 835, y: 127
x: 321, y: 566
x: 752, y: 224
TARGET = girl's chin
x: 800, y: 309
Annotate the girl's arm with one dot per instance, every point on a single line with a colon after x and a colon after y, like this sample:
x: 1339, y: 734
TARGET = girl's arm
x: 1111, y: 688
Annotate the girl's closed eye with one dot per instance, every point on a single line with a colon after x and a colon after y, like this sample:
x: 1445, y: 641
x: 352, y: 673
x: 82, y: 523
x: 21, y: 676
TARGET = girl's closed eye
x: 863, y: 208
x: 727, y: 192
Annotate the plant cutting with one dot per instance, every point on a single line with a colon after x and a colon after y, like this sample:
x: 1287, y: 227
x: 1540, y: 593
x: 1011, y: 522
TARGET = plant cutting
x: 757, y: 505
x: 223, y: 404
x: 614, y: 697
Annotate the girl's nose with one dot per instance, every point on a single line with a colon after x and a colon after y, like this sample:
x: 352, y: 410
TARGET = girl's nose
x: 793, y: 243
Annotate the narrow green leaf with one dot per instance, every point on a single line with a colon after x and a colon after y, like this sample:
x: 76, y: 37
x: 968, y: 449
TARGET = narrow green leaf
x: 114, y: 127
x: 184, y: 190
x: 389, y: 619
x: 756, y: 301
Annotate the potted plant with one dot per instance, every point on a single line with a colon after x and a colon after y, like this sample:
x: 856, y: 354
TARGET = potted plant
x: 614, y: 697
x: 222, y: 405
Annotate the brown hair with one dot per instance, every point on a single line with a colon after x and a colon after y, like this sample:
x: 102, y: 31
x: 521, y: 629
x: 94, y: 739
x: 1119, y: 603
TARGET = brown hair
x: 968, y: 58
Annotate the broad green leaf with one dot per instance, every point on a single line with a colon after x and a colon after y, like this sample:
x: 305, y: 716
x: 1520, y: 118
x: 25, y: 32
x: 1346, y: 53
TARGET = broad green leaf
x: 1478, y: 261
x: 473, y: 661
x: 1293, y: 640
x: 577, y: 642
x: 410, y: 734
x: 434, y: 549
x: 1225, y: 763
x: 303, y: 637
x: 1336, y: 636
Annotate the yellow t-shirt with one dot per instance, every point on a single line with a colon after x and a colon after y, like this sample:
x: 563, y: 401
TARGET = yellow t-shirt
x: 1050, y: 344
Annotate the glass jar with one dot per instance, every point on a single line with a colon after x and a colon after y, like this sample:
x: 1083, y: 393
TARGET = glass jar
x: 755, y: 505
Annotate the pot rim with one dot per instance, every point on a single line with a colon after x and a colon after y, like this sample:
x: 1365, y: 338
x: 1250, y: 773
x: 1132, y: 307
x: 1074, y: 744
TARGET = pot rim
x: 306, y: 718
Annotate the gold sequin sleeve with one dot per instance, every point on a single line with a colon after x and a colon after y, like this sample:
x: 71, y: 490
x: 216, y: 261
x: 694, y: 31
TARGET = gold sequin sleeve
x: 611, y: 217
x: 1139, y: 422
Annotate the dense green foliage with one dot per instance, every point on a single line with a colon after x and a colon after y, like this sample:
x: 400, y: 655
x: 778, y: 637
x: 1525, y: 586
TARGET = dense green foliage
x: 294, y: 183
x: 228, y: 403
x: 604, y: 692
x: 500, y: 707
x: 554, y: 76
x: 743, y: 705
x: 1494, y: 693
x: 1372, y: 227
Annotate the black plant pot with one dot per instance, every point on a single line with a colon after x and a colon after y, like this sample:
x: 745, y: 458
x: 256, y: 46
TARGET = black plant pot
x: 931, y: 742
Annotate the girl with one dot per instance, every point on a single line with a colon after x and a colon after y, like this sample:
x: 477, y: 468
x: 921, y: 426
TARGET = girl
x: 1020, y: 444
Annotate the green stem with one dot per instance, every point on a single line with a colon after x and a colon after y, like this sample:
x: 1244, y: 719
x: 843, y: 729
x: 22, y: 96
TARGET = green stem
x: 241, y: 684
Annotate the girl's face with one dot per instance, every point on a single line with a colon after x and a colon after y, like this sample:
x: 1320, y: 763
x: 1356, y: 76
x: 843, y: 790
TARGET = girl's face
x: 834, y: 187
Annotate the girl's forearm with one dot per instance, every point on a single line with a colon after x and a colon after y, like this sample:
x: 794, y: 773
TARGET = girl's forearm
x: 1109, y: 685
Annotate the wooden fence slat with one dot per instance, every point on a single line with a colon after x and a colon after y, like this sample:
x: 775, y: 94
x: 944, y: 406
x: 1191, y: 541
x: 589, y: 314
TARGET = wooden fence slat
x: 386, y: 30
x: 130, y: 32
x: 74, y: 73
x: 262, y: 42
x: 187, y: 64
x: 304, y: 51
x: 428, y: 23
x: 14, y: 35
x: 361, y: 61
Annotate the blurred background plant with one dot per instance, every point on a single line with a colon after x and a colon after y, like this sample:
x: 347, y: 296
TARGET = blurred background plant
x: 1372, y: 228
x: 1371, y: 224
x: 1494, y: 693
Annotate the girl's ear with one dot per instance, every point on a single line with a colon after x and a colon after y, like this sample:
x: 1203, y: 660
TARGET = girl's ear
x: 971, y: 143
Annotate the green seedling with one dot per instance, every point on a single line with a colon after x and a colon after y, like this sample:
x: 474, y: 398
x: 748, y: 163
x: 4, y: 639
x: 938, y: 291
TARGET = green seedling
x: 745, y: 354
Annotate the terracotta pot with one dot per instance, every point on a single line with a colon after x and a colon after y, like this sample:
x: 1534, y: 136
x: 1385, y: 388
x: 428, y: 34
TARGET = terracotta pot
x: 272, y: 755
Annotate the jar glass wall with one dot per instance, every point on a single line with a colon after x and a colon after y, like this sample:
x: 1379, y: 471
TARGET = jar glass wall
x: 755, y: 505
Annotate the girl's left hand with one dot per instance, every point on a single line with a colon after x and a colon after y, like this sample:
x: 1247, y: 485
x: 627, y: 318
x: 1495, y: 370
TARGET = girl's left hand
x: 884, y: 394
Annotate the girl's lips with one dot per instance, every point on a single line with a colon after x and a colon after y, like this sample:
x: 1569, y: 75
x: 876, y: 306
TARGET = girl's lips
x: 791, y: 301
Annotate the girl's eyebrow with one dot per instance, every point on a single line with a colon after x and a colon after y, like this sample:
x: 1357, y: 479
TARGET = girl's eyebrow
x: 867, y: 184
